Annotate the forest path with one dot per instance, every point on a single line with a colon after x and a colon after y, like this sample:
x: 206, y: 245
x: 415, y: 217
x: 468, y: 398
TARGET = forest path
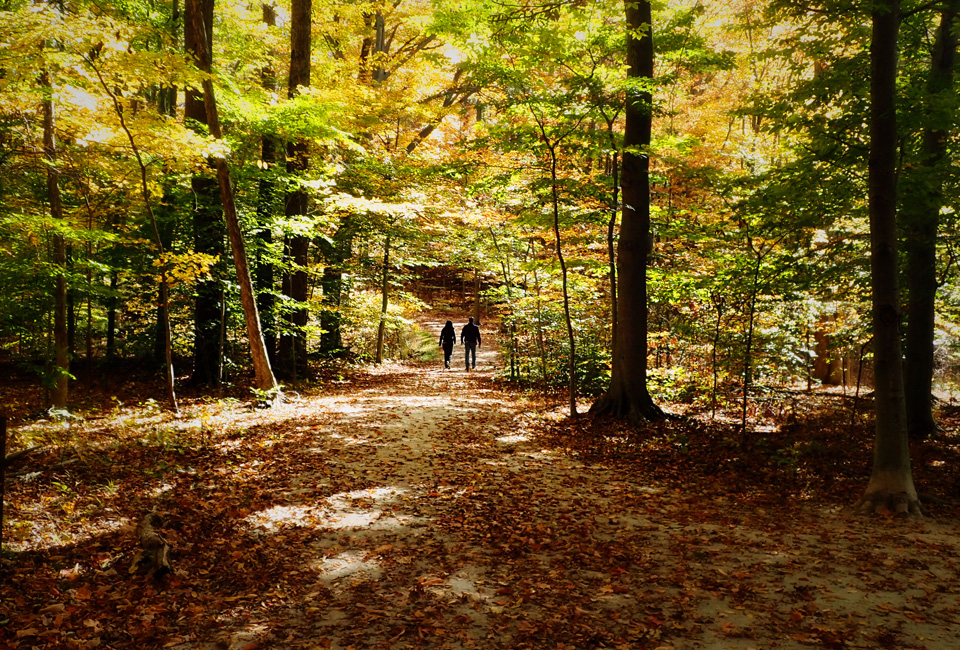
x: 409, y: 506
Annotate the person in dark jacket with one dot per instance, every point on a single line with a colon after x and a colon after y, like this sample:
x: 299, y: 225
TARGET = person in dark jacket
x: 448, y: 338
x: 470, y: 338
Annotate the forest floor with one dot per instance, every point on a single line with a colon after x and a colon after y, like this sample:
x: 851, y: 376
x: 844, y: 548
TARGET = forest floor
x: 409, y: 506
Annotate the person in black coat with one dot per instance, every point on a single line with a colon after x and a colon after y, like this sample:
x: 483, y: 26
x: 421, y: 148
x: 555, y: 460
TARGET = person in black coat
x: 470, y: 337
x: 448, y: 337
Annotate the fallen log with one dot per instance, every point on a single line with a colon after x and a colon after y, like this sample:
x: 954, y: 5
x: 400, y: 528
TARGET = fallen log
x: 155, y: 547
x: 9, y: 458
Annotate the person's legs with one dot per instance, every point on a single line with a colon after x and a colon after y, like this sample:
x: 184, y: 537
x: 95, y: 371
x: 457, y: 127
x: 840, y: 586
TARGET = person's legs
x: 468, y: 351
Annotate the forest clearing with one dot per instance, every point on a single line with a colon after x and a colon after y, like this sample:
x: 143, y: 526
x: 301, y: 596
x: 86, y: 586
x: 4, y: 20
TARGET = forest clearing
x: 408, y: 506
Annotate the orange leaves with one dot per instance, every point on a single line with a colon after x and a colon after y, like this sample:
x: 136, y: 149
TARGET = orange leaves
x: 433, y: 534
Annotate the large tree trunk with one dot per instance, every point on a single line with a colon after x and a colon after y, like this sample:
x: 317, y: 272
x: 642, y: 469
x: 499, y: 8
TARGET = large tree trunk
x: 923, y: 190
x: 208, y: 230
x: 891, y: 482
x: 627, y: 396
x: 61, y: 343
x: 292, y: 352
x: 266, y: 200
x: 264, y: 378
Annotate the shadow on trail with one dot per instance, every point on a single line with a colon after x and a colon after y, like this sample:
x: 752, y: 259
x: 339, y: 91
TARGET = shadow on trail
x: 410, y: 507
x: 330, y: 495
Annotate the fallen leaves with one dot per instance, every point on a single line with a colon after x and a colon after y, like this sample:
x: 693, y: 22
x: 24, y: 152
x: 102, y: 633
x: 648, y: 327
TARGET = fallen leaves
x: 390, y: 514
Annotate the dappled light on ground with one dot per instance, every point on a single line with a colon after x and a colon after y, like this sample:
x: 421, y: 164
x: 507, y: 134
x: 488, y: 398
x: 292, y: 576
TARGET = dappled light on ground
x: 413, y: 507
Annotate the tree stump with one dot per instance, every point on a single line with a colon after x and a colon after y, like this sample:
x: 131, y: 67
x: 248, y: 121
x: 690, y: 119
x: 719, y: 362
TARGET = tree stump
x: 155, y: 547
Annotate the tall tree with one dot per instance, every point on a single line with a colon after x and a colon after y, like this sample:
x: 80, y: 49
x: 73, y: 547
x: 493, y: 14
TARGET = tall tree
x: 263, y: 372
x: 60, y: 338
x: 920, y: 214
x: 292, y: 352
x: 627, y: 396
x: 208, y: 228
x: 384, y: 299
x: 891, y: 481
x: 164, y: 289
x: 266, y: 196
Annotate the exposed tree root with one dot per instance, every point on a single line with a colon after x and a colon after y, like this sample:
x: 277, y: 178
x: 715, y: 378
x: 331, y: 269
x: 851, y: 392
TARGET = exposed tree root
x: 623, y: 408
x: 899, y: 504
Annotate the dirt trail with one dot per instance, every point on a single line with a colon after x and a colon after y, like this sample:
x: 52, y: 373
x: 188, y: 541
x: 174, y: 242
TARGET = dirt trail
x: 412, y: 507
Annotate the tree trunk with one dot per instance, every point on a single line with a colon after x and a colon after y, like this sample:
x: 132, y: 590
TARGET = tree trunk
x: 611, y: 237
x: 571, y: 339
x: 627, y: 396
x: 891, y: 485
x: 266, y: 199
x: 923, y: 190
x: 292, y: 352
x: 385, y: 293
x: 336, y: 254
x: 264, y: 380
x: 167, y: 97
x: 164, y: 306
x: 505, y: 269
x: 208, y: 230
x: 71, y: 307
x: 112, y: 316
x: 60, y: 338
x: 476, y: 296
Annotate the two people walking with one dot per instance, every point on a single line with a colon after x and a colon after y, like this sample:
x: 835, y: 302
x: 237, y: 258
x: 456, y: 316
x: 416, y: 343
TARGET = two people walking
x: 469, y: 338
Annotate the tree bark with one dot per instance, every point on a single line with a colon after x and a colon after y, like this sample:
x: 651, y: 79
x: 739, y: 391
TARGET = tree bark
x: 627, y: 396
x: 385, y: 295
x: 264, y: 378
x: 112, y: 301
x: 890, y: 487
x: 571, y: 339
x: 61, y: 342
x: 267, y: 194
x: 336, y: 255
x: 611, y: 236
x: 476, y: 295
x: 923, y: 186
x: 208, y: 229
x: 292, y: 351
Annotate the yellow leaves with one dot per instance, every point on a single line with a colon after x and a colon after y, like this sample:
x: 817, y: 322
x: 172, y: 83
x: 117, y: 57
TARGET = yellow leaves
x: 186, y: 268
x: 361, y: 205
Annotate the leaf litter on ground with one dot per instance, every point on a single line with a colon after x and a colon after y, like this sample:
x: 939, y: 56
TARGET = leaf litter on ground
x: 409, y: 506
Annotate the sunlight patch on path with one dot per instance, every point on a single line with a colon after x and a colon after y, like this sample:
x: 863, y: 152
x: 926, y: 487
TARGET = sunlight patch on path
x: 346, y: 569
x: 347, y: 510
